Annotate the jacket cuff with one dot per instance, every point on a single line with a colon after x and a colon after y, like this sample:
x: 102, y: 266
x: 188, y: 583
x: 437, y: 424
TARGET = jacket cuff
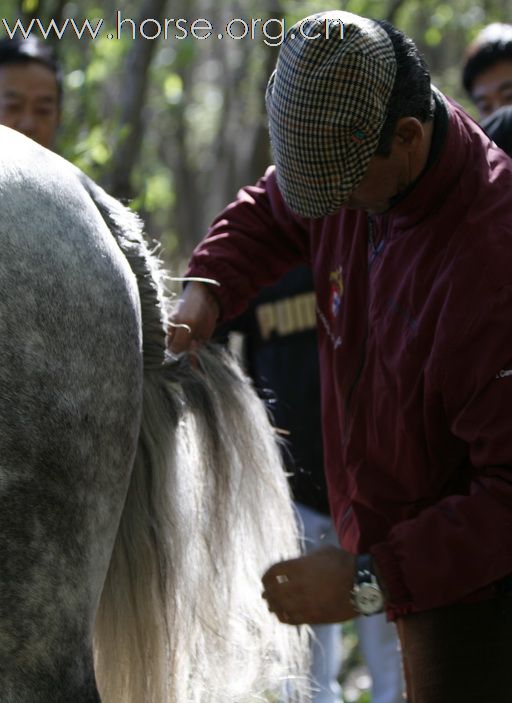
x: 399, y: 599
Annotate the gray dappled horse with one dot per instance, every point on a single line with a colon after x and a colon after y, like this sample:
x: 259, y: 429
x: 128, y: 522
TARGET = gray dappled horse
x: 140, y: 501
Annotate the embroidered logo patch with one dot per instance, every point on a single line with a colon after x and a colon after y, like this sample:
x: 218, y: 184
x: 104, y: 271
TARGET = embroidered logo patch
x: 336, y: 296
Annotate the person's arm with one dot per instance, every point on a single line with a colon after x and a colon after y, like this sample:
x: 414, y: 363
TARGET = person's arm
x: 194, y: 318
x: 252, y: 243
x: 463, y: 544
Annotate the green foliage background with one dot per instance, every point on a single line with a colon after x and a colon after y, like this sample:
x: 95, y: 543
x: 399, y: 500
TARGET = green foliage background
x: 199, y: 122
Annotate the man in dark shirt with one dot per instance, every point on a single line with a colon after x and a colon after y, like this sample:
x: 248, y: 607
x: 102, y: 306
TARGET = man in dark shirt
x: 499, y: 127
x: 30, y: 89
x: 487, y: 69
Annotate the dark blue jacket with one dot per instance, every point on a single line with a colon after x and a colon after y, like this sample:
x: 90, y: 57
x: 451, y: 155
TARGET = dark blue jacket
x: 281, y: 356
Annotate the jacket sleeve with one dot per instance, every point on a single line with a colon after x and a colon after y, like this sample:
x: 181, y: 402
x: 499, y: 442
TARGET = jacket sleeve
x: 251, y: 244
x: 458, y: 549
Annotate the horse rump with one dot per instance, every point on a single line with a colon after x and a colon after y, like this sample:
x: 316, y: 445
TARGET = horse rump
x: 140, y: 499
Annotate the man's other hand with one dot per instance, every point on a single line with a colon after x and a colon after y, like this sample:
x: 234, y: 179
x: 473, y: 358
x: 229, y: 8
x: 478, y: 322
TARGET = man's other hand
x: 313, y: 589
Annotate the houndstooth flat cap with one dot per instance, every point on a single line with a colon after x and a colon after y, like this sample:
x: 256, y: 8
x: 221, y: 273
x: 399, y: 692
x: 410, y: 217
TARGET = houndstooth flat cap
x: 327, y: 102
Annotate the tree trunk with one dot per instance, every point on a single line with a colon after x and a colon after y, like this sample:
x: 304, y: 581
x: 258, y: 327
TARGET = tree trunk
x: 135, y: 82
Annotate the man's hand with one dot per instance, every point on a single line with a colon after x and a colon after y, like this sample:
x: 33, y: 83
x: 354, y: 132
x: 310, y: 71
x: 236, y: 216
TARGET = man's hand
x: 194, y: 319
x: 313, y: 589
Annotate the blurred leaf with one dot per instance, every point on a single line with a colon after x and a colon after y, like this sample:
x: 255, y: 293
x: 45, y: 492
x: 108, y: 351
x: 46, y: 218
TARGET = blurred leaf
x: 203, y: 121
x: 29, y: 6
x: 75, y: 79
x: 158, y: 192
x: 173, y: 88
x: 443, y: 15
x: 433, y: 36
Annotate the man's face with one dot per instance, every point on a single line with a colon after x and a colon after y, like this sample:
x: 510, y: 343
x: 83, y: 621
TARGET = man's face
x: 384, y: 178
x: 492, y: 88
x: 29, y: 101
x: 388, y: 176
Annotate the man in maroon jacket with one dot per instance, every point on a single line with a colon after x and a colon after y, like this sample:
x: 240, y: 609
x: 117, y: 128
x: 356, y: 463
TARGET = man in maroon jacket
x: 403, y: 207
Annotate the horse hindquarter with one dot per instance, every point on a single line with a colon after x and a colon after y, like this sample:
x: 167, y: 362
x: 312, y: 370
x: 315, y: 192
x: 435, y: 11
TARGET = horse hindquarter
x: 70, y: 398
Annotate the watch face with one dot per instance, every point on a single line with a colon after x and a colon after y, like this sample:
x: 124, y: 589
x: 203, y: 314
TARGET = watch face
x: 369, y: 599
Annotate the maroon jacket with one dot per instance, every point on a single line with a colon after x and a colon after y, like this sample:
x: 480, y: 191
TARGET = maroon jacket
x: 415, y: 335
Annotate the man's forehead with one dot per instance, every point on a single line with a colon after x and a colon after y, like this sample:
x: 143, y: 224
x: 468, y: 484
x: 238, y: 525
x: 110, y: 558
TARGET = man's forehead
x: 41, y: 95
x: 31, y: 77
x: 495, y: 78
x: 18, y: 74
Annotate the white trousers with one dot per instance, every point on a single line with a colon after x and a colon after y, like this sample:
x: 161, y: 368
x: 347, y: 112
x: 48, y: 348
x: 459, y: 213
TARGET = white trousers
x: 378, y: 640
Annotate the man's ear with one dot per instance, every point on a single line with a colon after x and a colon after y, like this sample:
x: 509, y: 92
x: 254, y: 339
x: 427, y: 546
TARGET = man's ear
x: 409, y: 133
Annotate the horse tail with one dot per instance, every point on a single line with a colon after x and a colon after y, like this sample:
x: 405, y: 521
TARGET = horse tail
x: 181, y: 619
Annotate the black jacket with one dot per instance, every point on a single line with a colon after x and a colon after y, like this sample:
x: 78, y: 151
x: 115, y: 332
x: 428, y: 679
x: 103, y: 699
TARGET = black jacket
x: 281, y: 356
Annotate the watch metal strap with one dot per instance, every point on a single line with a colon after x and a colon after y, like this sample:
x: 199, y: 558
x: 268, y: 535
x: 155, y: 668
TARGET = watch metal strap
x: 364, y: 569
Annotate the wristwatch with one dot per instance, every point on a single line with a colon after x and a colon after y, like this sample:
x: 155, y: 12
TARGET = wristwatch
x: 367, y: 596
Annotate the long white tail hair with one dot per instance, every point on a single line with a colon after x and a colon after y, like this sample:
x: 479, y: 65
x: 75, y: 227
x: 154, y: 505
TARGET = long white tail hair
x: 181, y: 618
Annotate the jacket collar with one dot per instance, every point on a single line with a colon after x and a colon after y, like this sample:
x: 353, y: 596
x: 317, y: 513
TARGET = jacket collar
x: 445, y: 164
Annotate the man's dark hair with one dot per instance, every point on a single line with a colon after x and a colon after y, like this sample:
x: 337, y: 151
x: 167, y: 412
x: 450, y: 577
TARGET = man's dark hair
x: 492, y: 44
x: 23, y: 51
x: 412, y: 91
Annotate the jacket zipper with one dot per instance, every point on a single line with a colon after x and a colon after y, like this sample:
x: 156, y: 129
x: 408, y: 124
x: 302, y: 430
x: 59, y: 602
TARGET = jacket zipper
x: 374, y: 250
